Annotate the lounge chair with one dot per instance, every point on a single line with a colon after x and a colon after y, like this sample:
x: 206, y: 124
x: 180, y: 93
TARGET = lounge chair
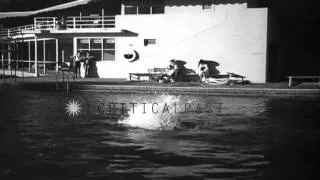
x: 229, y: 78
x: 64, y: 67
x: 302, y: 78
x: 153, y: 74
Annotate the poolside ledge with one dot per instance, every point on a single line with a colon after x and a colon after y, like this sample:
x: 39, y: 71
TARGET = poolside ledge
x: 49, y: 83
x: 200, y: 90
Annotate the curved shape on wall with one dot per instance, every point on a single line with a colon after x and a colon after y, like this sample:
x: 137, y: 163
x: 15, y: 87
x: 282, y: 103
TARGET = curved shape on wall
x: 131, y: 55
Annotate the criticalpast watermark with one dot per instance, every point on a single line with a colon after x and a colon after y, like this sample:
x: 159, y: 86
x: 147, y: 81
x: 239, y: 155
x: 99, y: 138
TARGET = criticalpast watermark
x: 75, y: 107
x: 157, y: 108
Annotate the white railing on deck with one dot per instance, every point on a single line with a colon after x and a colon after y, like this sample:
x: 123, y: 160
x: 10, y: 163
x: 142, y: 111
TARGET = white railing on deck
x: 3, y: 32
x: 78, y: 22
x: 75, y: 22
x: 72, y: 22
x: 45, y: 22
x: 8, y: 32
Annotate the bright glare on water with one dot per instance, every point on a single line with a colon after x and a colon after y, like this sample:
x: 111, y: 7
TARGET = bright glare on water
x: 157, y: 136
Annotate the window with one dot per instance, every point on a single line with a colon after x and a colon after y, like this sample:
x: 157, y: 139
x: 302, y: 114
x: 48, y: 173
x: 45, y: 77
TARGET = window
x: 83, y: 44
x: 108, y: 55
x: 131, y: 10
x: 157, y: 10
x: 95, y: 43
x: 207, y: 5
x: 108, y: 49
x: 144, y: 6
x: 102, y: 49
x: 96, y: 54
x: 148, y: 42
x: 144, y: 10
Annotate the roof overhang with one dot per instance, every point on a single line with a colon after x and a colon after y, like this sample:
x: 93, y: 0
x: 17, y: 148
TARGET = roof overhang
x: 53, y: 8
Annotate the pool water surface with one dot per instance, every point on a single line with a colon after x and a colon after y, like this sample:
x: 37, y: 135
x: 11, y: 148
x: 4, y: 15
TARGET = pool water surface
x: 166, y: 137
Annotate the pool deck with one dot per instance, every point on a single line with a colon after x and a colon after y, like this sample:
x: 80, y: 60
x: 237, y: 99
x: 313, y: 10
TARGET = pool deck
x: 49, y: 83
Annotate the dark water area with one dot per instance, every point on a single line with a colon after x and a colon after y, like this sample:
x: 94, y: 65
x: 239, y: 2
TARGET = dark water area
x: 238, y: 138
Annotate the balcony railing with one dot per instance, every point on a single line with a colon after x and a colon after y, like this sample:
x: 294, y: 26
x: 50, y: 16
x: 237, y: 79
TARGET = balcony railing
x: 8, y: 32
x: 73, y: 22
x: 3, y: 32
x: 45, y: 22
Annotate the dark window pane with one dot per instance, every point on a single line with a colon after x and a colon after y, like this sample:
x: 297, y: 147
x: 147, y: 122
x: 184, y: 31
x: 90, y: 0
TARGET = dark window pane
x: 95, y: 43
x: 158, y: 2
x: 131, y: 10
x: 109, y: 43
x: 158, y: 10
x: 83, y: 43
x: 131, y: 2
x: 150, y: 42
x: 108, y: 55
x: 206, y: 4
x: 96, y: 55
x: 145, y: 2
x: 144, y: 10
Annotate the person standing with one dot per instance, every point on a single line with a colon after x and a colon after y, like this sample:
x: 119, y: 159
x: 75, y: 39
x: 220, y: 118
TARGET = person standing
x: 88, y: 59
x: 76, y: 63
x: 204, y: 72
x: 62, y: 23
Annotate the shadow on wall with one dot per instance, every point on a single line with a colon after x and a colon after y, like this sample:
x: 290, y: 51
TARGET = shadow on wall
x: 212, y: 66
x: 182, y: 73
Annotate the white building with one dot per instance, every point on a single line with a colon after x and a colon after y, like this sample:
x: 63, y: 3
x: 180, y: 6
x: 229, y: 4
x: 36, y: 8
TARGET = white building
x: 232, y: 34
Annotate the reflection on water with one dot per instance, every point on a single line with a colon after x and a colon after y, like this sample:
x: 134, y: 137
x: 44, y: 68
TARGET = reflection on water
x: 241, y: 138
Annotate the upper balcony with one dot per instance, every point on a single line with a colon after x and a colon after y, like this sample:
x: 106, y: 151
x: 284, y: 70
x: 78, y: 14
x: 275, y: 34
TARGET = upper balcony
x: 74, y: 22
x: 71, y: 23
x: 6, y: 33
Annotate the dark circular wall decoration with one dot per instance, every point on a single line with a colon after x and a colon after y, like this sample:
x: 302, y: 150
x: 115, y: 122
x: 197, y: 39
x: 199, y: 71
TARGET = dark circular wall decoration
x: 131, y: 55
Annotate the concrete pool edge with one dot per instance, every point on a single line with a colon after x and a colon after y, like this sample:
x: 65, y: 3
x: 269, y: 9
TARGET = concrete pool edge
x: 232, y: 91
x: 254, y: 91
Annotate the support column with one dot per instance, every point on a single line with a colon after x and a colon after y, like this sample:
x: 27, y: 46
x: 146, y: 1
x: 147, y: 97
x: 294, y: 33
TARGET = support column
x: 9, y: 56
x: 29, y: 55
x: 16, y: 44
x: 2, y: 63
x: 62, y: 55
x: 36, y: 56
x: 57, y: 55
x: 44, y: 56
x: 122, y: 9
x: 102, y: 19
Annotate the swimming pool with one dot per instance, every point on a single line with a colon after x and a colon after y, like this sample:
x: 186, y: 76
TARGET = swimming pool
x: 227, y: 138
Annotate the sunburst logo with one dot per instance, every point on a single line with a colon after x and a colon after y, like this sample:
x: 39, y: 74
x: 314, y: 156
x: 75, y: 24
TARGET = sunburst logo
x: 73, y: 108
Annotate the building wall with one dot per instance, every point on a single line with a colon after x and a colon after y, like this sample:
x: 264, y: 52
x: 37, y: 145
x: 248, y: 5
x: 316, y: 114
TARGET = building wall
x: 231, y: 34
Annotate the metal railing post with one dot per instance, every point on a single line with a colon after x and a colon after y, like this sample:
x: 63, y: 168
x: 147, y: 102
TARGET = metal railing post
x: 102, y: 18
x: 35, y: 23
x: 3, y: 71
x: 22, y: 55
x: 57, y: 55
x: 29, y: 55
x: 9, y: 56
x: 44, y: 57
x: 54, y: 23
x: 36, y: 56
x: 74, y: 22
